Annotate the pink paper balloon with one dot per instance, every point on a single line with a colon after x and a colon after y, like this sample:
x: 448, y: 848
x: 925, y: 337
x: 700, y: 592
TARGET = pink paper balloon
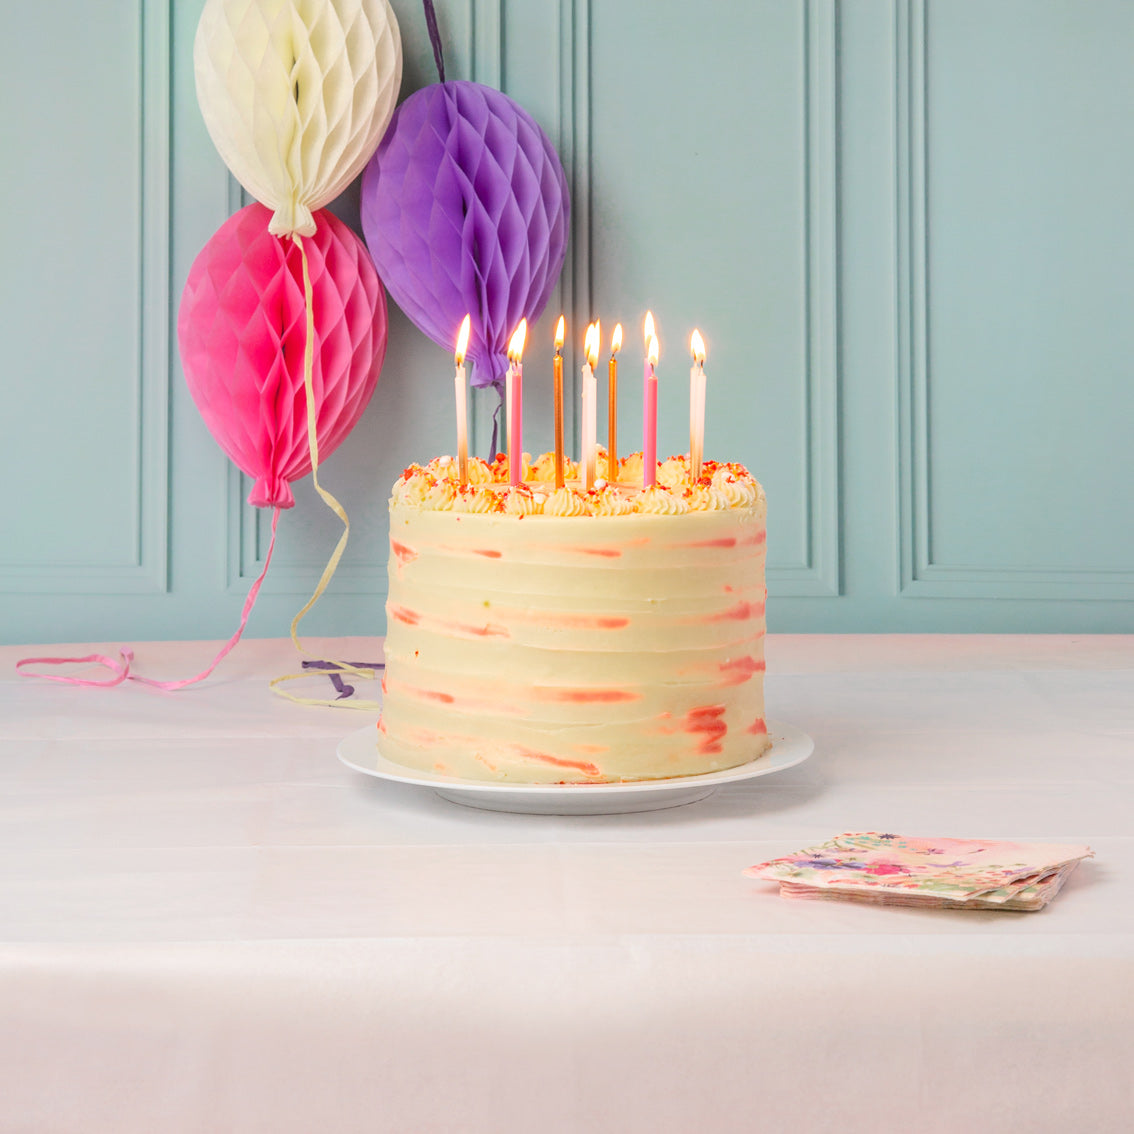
x: 242, y: 328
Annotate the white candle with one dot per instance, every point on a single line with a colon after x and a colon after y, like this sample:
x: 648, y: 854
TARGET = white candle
x: 515, y: 408
x: 696, y: 406
x: 650, y: 406
x: 460, y: 387
x: 593, y: 358
x: 589, y: 423
x: 590, y: 409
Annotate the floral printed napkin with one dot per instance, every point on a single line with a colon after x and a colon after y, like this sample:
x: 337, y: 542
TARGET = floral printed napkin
x: 938, y: 873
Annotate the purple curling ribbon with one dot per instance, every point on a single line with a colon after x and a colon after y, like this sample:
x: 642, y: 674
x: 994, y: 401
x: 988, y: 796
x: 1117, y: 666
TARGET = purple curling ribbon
x: 335, y: 674
x: 434, y: 37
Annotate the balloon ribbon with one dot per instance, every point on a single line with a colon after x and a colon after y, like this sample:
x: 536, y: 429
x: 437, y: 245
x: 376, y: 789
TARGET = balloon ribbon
x: 335, y: 506
x: 121, y: 670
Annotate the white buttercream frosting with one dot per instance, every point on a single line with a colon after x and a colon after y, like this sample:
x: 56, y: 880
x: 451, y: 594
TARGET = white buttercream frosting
x: 439, y: 497
x: 705, y: 498
x: 630, y: 470
x: 739, y: 489
x: 543, y: 469
x: 413, y: 486
x: 658, y: 501
x: 604, y: 647
x: 522, y: 501
x: 566, y: 501
x: 448, y: 468
x: 673, y: 472
x: 610, y: 502
x: 470, y: 498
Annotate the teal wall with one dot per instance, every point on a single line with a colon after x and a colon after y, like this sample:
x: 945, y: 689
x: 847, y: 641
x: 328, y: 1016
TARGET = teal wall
x: 904, y: 226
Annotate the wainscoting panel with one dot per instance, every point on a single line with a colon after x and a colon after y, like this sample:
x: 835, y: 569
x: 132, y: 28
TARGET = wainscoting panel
x: 85, y: 301
x: 1017, y: 239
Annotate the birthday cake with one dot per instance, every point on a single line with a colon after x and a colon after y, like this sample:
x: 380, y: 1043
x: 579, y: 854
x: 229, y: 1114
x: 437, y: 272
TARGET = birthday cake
x: 541, y: 635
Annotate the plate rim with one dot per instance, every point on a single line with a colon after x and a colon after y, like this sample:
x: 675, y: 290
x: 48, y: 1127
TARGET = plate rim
x: 759, y: 766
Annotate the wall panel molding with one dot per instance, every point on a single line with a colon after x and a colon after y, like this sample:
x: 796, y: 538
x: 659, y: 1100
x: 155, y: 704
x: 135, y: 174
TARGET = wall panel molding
x: 922, y: 575
x: 819, y: 575
x: 147, y: 569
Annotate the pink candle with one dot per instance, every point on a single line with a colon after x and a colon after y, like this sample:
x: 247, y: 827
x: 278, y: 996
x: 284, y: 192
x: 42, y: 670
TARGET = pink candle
x: 515, y: 424
x: 460, y: 388
x: 515, y: 405
x: 650, y: 418
x: 557, y: 390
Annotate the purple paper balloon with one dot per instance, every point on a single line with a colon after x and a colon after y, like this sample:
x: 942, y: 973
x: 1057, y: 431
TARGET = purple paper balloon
x: 465, y: 210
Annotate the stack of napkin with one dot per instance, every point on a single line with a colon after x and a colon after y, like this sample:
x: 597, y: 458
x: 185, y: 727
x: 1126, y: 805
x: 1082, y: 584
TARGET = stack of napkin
x: 968, y: 874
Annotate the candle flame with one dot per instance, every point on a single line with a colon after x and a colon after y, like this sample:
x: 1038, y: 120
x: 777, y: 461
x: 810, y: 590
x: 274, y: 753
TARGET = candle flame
x: 652, y: 350
x: 516, y: 342
x: 463, y: 338
x: 697, y: 346
x: 616, y: 340
x: 560, y: 332
x: 591, y: 345
x: 649, y: 327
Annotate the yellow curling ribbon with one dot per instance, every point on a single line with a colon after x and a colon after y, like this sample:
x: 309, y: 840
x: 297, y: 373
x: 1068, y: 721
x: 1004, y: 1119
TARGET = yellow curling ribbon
x: 337, y: 508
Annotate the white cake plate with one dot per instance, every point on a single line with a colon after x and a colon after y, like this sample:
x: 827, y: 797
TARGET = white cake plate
x: 790, y: 746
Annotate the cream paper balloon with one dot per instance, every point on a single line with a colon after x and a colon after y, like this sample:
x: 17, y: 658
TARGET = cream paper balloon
x: 296, y: 95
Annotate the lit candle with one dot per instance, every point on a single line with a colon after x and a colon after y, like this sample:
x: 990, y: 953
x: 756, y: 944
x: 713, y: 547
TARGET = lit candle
x: 696, y: 405
x: 650, y: 408
x: 612, y: 406
x: 461, y: 387
x: 590, y: 407
x: 560, y: 331
x: 514, y: 391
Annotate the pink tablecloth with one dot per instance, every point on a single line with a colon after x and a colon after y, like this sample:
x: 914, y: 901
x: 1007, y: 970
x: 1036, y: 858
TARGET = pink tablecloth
x: 208, y: 923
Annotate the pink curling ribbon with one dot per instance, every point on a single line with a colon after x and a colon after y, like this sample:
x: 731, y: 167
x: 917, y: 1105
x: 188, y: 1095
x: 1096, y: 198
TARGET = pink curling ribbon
x: 121, y: 670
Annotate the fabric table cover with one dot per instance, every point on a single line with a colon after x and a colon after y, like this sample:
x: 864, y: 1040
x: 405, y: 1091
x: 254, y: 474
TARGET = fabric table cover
x: 208, y: 923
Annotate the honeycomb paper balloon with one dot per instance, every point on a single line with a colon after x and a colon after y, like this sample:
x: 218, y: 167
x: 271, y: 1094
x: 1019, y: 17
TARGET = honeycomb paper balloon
x: 465, y: 210
x: 296, y: 94
x: 242, y: 328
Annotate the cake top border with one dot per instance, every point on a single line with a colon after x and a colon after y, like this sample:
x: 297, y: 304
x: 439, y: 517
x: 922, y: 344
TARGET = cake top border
x: 722, y: 486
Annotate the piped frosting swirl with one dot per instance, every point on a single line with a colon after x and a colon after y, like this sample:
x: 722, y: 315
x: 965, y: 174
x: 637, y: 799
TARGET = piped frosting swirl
x: 436, y: 487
